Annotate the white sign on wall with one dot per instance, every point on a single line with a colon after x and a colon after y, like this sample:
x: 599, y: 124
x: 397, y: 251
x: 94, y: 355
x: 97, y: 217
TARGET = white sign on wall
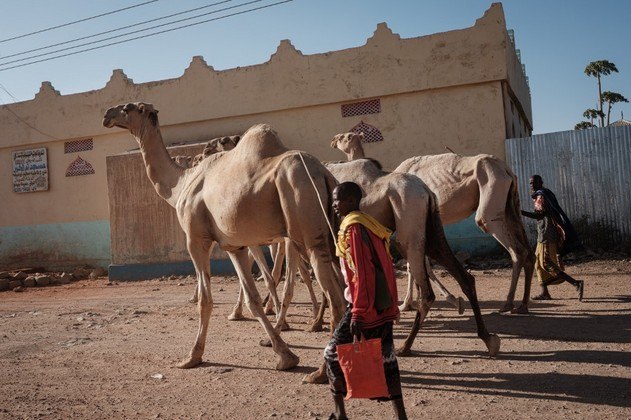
x: 30, y: 170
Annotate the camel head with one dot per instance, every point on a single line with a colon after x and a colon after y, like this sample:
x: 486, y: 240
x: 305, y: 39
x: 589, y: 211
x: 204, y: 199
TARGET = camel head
x: 220, y: 144
x: 131, y: 116
x: 347, y: 141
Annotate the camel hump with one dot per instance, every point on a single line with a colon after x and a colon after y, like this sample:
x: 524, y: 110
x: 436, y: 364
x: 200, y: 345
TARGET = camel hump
x: 260, y: 141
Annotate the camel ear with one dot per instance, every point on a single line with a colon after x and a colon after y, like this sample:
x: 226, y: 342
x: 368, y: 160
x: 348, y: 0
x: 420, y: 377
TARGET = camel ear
x: 360, y: 136
x: 236, y: 139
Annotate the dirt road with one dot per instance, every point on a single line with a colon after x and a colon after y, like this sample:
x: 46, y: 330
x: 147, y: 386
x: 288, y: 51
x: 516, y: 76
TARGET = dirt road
x: 91, y: 349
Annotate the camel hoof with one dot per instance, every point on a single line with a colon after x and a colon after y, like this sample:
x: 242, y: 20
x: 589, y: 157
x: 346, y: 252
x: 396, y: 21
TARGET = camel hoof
x: 520, y: 310
x: 315, y: 327
x: 404, y: 352
x: 266, y: 342
x: 235, y: 316
x: 288, y: 362
x: 508, y: 307
x: 407, y: 307
x: 190, y: 363
x: 316, y: 377
x: 461, y: 304
x: 192, y: 299
x: 493, y: 344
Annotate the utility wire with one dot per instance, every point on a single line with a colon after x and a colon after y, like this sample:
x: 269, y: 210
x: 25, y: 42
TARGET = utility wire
x: 115, y: 30
x: 76, y: 21
x: 146, y: 36
x: 5, y: 106
x: 130, y: 33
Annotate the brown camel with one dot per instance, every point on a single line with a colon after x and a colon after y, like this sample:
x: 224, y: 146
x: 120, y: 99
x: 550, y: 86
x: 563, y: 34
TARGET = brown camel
x: 404, y: 204
x: 278, y: 252
x: 482, y: 184
x: 243, y: 198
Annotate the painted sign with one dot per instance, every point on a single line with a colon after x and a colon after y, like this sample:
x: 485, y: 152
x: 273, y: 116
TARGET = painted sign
x: 30, y: 170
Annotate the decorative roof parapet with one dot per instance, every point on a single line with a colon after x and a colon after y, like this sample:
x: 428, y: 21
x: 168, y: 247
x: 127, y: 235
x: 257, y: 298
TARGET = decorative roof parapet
x: 285, y: 50
x: 47, y: 91
x: 119, y: 78
x: 383, y: 34
x: 494, y: 15
x: 198, y: 65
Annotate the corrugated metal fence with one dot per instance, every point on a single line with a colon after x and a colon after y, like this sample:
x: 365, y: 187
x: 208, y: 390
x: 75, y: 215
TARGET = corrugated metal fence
x: 590, y: 173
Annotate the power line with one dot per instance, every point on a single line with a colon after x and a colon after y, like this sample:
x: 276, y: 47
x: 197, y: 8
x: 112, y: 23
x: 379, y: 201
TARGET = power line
x: 131, y: 33
x: 5, y: 106
x: 115, y: 30
x: 146, y: 36
x: 76, y: 21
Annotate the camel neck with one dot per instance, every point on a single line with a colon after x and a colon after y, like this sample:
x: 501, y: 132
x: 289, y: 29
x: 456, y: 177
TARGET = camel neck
x: 164, y: 174
x: 356, y: 153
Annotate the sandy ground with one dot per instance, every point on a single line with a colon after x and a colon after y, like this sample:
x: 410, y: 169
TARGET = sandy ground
x: 92, y: 349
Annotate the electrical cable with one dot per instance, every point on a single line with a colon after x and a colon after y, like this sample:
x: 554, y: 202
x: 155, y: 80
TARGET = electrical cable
x: 76, y: 21
x: 114, y: 30
x: 5, y: 106
x: 129, y: 33
x: 145, y: 36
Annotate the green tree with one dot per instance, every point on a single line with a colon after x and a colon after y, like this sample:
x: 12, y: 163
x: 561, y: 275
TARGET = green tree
x: 597, y: 69
x: 583, y: 125
x: 612, y: 98
x: 592, y: 114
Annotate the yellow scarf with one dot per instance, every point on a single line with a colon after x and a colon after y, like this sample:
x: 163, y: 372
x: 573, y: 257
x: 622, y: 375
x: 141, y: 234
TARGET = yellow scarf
x: 342, y: 248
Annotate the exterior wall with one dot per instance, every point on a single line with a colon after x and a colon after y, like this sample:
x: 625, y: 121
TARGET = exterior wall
x: 589, y: 172
x: 446, y: 89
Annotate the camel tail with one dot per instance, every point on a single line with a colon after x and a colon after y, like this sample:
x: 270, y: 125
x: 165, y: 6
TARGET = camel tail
x: 437, y: 246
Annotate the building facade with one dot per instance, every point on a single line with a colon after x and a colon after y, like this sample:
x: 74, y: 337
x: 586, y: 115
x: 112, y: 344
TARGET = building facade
x: 463, y: 89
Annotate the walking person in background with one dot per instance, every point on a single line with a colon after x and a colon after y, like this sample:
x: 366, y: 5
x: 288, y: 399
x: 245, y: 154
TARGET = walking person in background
x: 555, y: 237
x: 371, y: 292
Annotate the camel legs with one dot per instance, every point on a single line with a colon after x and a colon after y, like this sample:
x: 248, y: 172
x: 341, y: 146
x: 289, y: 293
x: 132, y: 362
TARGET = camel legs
x: 496, y: 188
x: 303, y: 268
x: 325, y: 274
x: 199, y: 251
x: 418, y: 272
x: 288, y: 289
x: 255, y: 254
x: 521, y: 256
x: 456, y: 302
x: 278, y: 253
x: 252, y: 298
x: 408, y: 304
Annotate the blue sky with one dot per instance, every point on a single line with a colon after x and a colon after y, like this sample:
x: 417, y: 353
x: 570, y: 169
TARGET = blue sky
x: 557, y: 40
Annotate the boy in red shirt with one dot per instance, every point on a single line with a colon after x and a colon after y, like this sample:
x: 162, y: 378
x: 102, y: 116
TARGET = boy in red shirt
x: 371, y: 292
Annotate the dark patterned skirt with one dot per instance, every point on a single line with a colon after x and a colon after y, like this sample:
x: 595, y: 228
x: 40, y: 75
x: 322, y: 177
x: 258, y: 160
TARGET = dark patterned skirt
x: 342, y: 335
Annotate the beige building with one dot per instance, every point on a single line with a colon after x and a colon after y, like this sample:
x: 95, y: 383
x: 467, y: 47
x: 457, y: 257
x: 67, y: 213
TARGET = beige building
x: 463, y: 89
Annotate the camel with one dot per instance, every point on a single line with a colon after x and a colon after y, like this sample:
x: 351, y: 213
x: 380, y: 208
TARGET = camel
x: 404, y: 204
x: 278, y: 251
x: 216, y: 202
x: 482, y: 184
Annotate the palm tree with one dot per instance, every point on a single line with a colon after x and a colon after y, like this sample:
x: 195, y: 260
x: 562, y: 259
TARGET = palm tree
x: 597, y: 69
x: 584, y: 125
x: 612, y: 98
x: 592, y: 114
